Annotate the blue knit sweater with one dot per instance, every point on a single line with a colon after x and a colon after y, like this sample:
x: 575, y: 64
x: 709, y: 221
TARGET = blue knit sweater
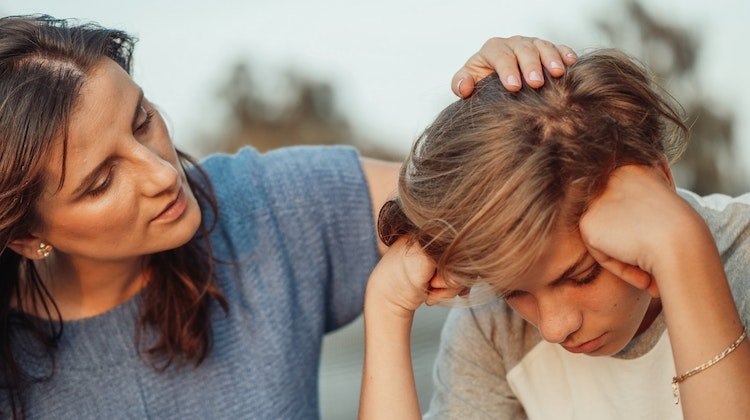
x: 299, y: 224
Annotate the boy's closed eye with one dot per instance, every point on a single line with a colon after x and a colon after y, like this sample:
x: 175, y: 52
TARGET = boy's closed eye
x: 583, y: 278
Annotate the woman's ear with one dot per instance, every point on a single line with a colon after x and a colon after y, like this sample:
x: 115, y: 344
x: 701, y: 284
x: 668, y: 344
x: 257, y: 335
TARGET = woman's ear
x: 31, y: 247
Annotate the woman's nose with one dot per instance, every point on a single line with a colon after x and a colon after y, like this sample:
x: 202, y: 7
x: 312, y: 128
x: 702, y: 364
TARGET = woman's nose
x: 158, y: 174
x: 557, y: 319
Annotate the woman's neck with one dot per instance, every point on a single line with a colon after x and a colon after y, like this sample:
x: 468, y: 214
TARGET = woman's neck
x: 85, y: 288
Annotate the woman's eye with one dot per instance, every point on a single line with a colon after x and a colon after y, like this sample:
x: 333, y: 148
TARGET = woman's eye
x: 588, y: 278
x: 102, y: 187
x: 144, y: 126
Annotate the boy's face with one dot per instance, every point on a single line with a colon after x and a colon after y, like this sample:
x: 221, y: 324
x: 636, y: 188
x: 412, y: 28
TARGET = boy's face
x: 578, y: 304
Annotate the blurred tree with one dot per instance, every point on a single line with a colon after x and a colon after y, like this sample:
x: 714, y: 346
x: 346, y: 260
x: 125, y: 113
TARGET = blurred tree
x: 671, y: 52
x: 307, y: 115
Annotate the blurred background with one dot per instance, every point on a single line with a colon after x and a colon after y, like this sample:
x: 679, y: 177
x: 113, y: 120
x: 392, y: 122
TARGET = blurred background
x: 272, y: 74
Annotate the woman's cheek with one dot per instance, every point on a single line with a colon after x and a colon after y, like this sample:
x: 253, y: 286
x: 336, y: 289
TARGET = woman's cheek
x: 118, y: 210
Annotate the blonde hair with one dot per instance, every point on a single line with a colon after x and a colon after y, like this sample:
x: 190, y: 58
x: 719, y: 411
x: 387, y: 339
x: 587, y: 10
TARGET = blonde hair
x: 495, y: 174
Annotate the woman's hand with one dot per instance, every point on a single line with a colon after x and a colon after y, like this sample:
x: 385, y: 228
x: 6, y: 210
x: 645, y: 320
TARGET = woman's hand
x: 505, y: 56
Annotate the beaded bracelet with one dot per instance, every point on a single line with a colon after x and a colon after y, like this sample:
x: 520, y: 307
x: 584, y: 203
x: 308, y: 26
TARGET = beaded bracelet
x: 677, y: 379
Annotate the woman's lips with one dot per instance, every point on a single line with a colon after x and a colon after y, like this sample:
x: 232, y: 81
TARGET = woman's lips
x: 173, y: 210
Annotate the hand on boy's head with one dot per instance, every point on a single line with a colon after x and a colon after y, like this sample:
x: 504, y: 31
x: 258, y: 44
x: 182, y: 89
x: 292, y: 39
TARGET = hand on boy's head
x: 634, y: 223
x: 516, y: 60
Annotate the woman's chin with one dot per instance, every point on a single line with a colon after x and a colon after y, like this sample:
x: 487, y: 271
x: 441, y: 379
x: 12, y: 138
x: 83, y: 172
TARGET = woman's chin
x: 185, y: 228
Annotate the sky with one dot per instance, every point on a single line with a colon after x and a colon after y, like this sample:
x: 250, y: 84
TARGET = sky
x: 391, y: 61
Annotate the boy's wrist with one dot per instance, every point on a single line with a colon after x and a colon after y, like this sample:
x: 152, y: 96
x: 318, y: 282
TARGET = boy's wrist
x: 690, y: 242
x: 382, y: 303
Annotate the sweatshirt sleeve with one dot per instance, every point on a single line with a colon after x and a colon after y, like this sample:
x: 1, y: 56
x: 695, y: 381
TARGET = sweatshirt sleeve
x: 469, y: 376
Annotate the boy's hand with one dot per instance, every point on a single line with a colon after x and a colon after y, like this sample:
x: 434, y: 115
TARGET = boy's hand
x: 405, y: 278
x: 639, y: 224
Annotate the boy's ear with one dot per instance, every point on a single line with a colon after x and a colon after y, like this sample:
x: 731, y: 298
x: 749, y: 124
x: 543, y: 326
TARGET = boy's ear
x: 31, y: 247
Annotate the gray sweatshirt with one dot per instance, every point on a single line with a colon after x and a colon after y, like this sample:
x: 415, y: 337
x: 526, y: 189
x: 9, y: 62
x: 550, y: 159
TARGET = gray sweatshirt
x: 492, y: 364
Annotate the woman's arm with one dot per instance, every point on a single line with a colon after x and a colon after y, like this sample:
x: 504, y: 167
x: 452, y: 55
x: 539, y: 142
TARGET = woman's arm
x: 660, y: 243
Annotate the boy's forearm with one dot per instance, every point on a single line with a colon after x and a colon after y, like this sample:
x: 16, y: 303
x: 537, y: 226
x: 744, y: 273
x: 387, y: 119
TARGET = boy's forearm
x: 388, y: 388
x: 703, y: 321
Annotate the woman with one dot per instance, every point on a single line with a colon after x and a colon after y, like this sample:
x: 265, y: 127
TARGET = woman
x: 562, y: 202
x: 136, y: 283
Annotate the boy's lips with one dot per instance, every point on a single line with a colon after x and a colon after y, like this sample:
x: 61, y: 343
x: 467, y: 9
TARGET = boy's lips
x: 587, y: 346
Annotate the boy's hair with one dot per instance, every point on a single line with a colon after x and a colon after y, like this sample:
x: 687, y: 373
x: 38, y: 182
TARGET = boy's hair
x: 495, y: 174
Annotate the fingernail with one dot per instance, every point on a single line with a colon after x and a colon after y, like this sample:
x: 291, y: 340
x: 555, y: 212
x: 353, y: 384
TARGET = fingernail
x: 535, y: 76
x: 555, y: 65
x: 513, y: 81
x: 571, y: 55
x: 458, y: 86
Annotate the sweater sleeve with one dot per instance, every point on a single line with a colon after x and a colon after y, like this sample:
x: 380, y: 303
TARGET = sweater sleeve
x: 302, y: 218
x: 469, y: 376
x: 321, y: 204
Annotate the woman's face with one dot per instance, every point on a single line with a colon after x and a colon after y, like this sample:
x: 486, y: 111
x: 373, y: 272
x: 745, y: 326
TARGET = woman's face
x: 577, y: 304
x: 125, y: 194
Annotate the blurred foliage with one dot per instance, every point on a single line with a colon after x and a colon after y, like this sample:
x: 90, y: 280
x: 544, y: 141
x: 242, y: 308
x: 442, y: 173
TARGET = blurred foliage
x: 671, y: 52
x: 308, y: 114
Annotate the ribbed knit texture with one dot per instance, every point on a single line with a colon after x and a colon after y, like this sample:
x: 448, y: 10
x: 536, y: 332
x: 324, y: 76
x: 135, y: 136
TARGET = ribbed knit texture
x: 299, y: 223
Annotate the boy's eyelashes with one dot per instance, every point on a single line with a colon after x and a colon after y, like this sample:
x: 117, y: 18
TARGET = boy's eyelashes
x: 593, y: 273
x: 588, y: 276
x: 511, y: 294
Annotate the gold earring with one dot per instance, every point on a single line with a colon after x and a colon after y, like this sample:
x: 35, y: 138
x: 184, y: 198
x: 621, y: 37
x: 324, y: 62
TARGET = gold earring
x: 44, y: 250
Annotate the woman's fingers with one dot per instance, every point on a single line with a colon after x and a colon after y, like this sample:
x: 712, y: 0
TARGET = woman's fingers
x: 499, y: 54
x: 462, y: 84
x: 515, y: 59
x: 550, y: 57
x: 567, y: 54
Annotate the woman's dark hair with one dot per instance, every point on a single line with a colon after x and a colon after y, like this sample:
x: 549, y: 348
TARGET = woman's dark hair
x: 43, y: 64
